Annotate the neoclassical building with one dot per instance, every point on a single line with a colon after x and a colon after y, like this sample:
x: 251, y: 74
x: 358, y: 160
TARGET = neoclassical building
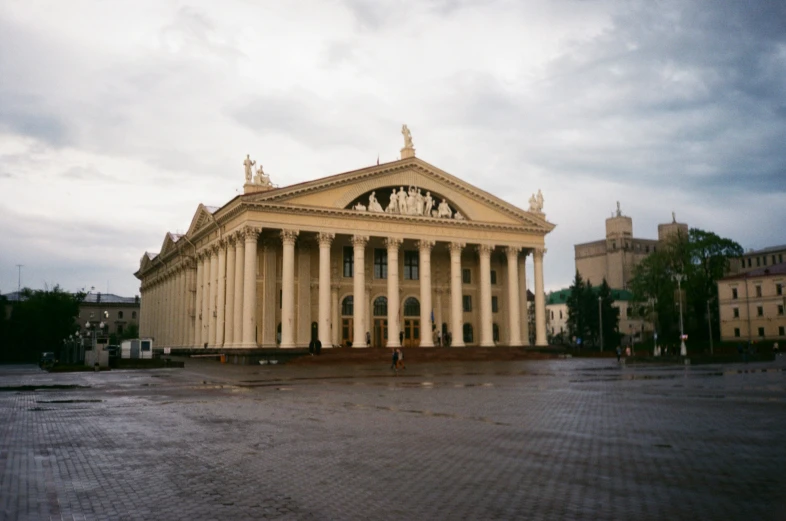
x: 396, y: 253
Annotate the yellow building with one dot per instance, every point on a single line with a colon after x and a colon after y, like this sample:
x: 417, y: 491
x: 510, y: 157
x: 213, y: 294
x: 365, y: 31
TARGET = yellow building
x: 392, y: 254
x: 752, y: 304
x: 754, y: 259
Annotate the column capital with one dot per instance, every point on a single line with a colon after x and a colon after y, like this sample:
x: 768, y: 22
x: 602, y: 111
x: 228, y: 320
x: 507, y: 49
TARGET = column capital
x: 456, y: 247
x: 231, y: 239
x: 250, y: 233
x: 213, y: 249
x: 360, y: 240
x: 288, y: 237
x: 512, y: 251
x: 425, y: 245
x: 393, y: 243
x: 539, y: 251
x: 325, y: 238
x: 485, y: 249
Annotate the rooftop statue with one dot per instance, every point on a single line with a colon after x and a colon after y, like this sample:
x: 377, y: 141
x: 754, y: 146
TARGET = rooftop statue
x: 536, y: 203
x: 248, y: 163
x: 262, y: 178
x: 407, y: 137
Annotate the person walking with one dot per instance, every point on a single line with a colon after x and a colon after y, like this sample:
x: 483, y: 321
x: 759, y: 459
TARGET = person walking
x: 400, y: 360
x: 394, y: 363
x: 315, y: 347
x: 619, y: 353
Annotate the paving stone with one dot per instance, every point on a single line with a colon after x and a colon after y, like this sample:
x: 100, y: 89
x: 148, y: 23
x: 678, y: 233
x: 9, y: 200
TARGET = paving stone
x: 552, y: 439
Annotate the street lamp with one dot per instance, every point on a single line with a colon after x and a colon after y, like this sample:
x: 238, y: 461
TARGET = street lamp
x: 600, y: 321
x: 679, y: 277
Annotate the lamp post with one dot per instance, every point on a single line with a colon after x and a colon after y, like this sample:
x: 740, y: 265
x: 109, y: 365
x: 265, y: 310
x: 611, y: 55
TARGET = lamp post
x: 679, y: 277
x: 600, y: 321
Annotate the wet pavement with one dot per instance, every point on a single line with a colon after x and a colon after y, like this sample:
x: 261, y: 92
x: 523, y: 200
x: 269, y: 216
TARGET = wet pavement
x: 558, y: 439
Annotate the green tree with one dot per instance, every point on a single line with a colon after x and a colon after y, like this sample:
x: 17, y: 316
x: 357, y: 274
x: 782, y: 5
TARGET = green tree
x: 703, y: 257
x: 39, y: 322
x: 611, y: 316
x: 132, y: 331
x: 578, y: 318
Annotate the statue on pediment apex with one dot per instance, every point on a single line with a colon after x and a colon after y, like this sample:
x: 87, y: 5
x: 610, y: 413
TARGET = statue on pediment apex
x: 249, y: 164
x: 407, y: 137
x: 262, y: 178
x: 536, y: 202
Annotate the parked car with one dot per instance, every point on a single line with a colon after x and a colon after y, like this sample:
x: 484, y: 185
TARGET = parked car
x: 47, y: 359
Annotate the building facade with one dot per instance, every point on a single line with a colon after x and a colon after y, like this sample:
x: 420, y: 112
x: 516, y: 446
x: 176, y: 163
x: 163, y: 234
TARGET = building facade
x: 755, y: 259
x: 614, y: 257
x: 115, y: 312
x: 751, y: 305
x: 393, y: 254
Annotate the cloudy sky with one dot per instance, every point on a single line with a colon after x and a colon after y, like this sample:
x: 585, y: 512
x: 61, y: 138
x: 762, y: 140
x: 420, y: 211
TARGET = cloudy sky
x: 118, y: 118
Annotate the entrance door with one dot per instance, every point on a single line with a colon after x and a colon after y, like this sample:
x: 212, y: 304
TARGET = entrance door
x: 346, y: 331
x: 380, y: 338
x: 411, y: 332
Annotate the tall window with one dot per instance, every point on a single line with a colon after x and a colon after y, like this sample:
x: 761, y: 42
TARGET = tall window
x: 734, y: 293
x: 380, y: 263
x: 780, y: 309
x: 761, y: 332
x: 411, y: 307
x: 736, y: 312
x: 466, y: 276
x: 133, y: 314
x: 468, y: 333
x: 495, y: 306
x: 781, y: 330
x: 411, y: 263
x: 381, y: 307
x: 779, y: 289
x: 347, y: 305
x: 119, y: 314
x: 758, y: 291
x: 737, y: 332
x: 493, y: 277
x: 467, y: 301
x: 759, y: 311
x: 349, y: 261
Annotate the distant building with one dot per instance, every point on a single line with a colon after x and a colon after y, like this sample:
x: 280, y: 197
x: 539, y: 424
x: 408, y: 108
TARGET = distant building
x: 752, y: 303
x: 614, y: 257
x: 631, y: 325
x: 755, y: 259
x: 117, y: 313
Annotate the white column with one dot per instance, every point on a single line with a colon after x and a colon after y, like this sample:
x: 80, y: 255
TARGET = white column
x: 213, y: 296
x: 426, y: 338
x: 438, y: 291
x: 229, y: 317
x: 359, y: 291
x: 456, y: 309
x: 514, y: 313
x: 336, y: 321
x: 190, y: 302
x: 221, y: 281
x: 288, y: 238
x: 169, y: 307
x: 179, y: 301
x: 486, y: 332
x: 523, y: 301
x: 240, y: 259
x: 394, y: 302
x: 250, y: 288
x: 540, y: 299
x: 325, y: 240
x: 198, y: 304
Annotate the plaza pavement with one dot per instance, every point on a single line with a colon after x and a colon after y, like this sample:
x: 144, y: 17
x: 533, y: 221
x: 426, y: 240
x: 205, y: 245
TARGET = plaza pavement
x: 553, y: 439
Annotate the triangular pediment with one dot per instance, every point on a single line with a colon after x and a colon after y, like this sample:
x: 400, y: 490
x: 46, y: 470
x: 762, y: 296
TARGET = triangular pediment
x: 169, y: 244
x: 202, y: 217
x: 344, y: 192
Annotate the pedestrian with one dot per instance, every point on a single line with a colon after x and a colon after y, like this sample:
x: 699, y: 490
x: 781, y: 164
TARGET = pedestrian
x: 368, y: 339
x: 627, y: 351
x: 315, y: 347
x: 449, y: 339
x: 401, y: 337
x: 400, y: 360
x: 619, y: 353
x: 775, y: 348
x: 439, y: 339
x: 394, y: 364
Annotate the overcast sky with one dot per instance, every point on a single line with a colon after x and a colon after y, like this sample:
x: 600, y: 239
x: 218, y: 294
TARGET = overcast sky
x: 118, y: 118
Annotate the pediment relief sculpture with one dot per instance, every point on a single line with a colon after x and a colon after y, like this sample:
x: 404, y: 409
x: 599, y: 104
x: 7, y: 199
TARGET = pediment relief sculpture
x: 409, y: 201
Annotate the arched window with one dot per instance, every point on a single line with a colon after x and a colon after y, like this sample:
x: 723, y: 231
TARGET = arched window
x: 468, y: 333
x: 495, y: 332
x: 411, y: 307
x: 133, y: 314
x: 381, y: 307
x: 119, y: 314
x: 347, y: 305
